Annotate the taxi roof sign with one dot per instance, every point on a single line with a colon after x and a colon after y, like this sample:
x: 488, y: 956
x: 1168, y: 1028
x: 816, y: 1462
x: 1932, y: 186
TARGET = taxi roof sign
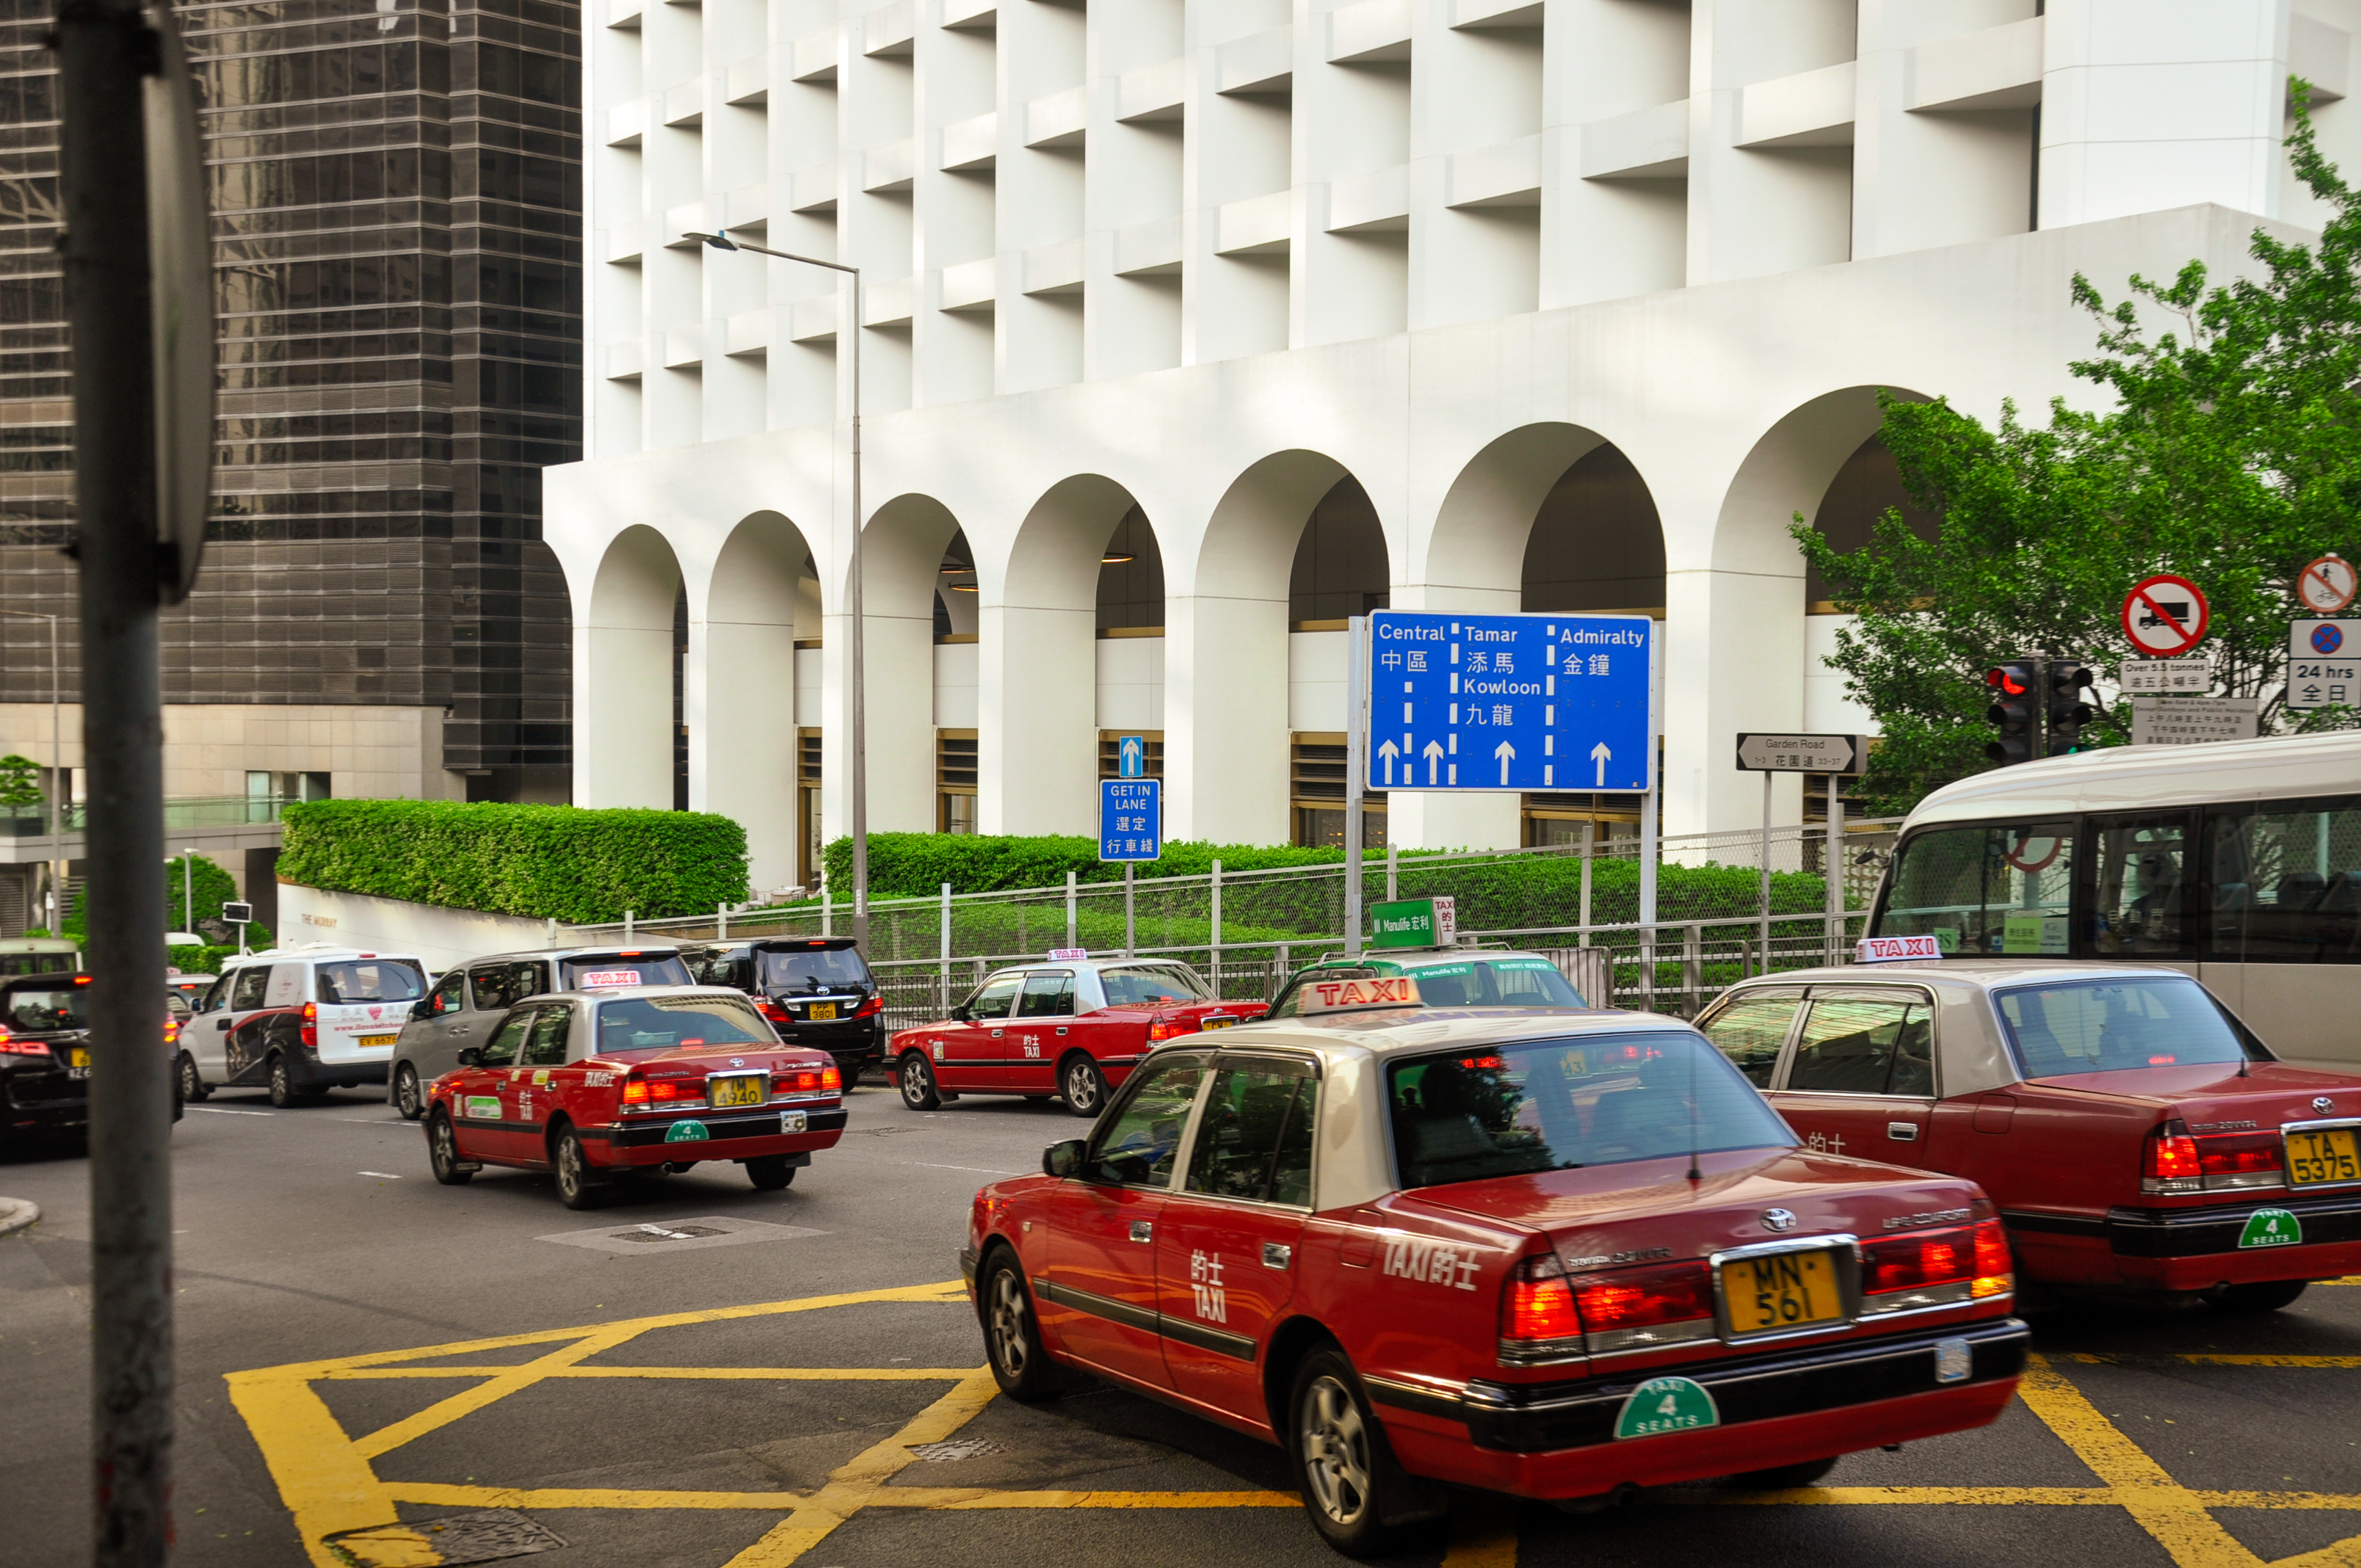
x: 1322, y: 996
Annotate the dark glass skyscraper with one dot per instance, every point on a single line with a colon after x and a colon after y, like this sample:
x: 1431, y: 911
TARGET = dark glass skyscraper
x: 397, y: 240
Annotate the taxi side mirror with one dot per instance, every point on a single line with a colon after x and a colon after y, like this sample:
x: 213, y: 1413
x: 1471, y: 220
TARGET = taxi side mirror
x: 962, y: 1015
x: 1064, y: 1160
x: 470, y: 1056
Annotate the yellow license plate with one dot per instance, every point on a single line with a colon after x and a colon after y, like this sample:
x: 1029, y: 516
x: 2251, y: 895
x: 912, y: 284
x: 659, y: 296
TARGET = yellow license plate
x: 740, y: 1091
x: 2326, y: 1155
x: 77, y: 1056
x: 823, y: 1012
x: 1217, y: 1023
x: 371, y: 1042
x: 1781, y: 1290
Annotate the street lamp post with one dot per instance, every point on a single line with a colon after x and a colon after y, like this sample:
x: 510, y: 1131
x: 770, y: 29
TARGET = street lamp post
x: 857, y: 721
x: 58, y: 777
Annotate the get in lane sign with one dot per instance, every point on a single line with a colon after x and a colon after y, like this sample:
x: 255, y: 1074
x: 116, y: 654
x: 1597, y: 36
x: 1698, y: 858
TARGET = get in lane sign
x: 1510, y: 702
x: 1131, y: 820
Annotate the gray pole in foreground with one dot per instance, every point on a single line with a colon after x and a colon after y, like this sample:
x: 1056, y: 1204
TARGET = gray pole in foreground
x: 1357, y: 705
x: 60, y: 785
x: 857, y: 716
x: 104, y: 48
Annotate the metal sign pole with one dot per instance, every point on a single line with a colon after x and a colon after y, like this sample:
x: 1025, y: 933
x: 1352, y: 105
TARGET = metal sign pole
x: 1835, y: 898
x: 1129, y: 910
x: 104, y: 48
x: 1357, y: 763
x: 1766, y: 873
x: 1651, y: 808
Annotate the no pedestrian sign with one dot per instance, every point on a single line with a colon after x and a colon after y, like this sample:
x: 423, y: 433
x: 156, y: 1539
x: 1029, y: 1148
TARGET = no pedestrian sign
x: 2165, y: 616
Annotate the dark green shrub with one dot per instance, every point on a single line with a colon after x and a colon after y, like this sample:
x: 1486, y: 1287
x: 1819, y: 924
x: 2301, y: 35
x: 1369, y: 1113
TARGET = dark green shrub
x: 561, y: 862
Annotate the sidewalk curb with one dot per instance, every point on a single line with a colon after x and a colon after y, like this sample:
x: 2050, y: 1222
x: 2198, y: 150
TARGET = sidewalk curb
x: 15, y: 1213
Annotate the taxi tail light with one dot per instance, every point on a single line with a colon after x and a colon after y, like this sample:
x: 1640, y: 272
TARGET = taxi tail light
x: 1644, y: 1298
x: 2239, y: 1153
x: 312, y: 1025
x: 829, y: 1078
x: 1161, y: 1028
x: 1976, y: 1256
x: 635, y: 1091
x: 2168, y: 1161
x: 1537, y: 1308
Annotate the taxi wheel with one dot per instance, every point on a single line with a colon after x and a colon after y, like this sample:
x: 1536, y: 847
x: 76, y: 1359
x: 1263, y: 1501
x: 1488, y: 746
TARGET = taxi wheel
x: 918, y: 1081
x: 2267, y: 1296
x: 192, y: 1082
x: 1012, y: 1337
x: 282, y: 1083
x: 1342, y: 1465
x: 771, y: 1173
x: 576, y: 1188
x: 408, y: 1097
x: 1785, y: 1477
x: 1084, y: 1085
x: 443, y: 1153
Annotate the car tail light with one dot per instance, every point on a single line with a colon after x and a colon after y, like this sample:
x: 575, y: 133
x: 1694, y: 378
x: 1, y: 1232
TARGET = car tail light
x: 172, y: 1030
x: 1935, y: 1268
x: 869, y: 1008
x: 2172, y: 1161
x: 635, y: 1091
x: 1170, y: 1028
x: 1537, y: 1316
x: 662, y: 1093
x: 12, y: 1046
x: 772, y: 1011
x: 829, y: 1078
x: 1639, y: 1309
x: 312, y: 1025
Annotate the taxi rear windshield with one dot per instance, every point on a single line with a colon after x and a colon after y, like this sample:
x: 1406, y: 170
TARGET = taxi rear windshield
x: 670, y: 1023
x: 372, y: 980
x: 2110, y: 1025
x: 1539, y: 1105
x: 1494, y: 982
x: 1143, y: 985
x: 34, y: 1011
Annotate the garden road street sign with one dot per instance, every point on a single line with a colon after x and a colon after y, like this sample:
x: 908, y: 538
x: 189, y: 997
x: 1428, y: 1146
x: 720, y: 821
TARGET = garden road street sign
x: 2165, y: 616
x: 1131, y: 820
x: 1802, y: 753
x: 1510, y: 702
x: 2326, y: 585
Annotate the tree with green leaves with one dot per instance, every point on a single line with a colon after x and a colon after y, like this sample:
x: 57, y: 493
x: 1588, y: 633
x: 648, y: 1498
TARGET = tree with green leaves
x: 20, y: 780
x: 2230, y: 454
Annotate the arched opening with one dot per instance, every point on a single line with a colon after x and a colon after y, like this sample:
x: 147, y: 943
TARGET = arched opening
x: 1341, y: 569
x: 955, y: 592
x: 1865, y: 489
x: 1054, y: 687
x: 741, y: 719
x: 623, y: 707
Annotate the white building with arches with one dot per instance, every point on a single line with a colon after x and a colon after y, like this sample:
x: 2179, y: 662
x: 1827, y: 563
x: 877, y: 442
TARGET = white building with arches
x: 1190, y: 327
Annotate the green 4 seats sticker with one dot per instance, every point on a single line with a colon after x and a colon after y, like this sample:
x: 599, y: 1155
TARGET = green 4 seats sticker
x: 1666, y: 1404
x: 2271, y: 1227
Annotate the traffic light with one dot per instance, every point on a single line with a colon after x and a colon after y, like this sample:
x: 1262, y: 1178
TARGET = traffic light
x: 2016, y: 708
x: 2065, y: 710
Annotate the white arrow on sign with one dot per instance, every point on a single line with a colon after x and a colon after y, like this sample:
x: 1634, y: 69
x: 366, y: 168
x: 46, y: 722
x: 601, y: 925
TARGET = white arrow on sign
x: 1504, y: 752
x: 1599, y: 753
x: 1434, y: 761
x: 1388, y: 751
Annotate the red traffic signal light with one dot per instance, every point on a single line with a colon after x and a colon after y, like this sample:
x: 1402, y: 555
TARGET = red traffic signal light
x: 2012, y: 680
x: 2016, y: 709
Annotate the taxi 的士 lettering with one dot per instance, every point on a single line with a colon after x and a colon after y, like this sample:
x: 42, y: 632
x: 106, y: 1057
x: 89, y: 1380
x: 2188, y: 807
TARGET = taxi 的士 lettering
x: 1432, y: 1263
x: 1206, y: 1281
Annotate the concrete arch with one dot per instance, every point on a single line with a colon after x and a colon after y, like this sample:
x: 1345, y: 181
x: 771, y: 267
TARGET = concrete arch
x: 623, y: 660
x: 1475, y: 552
x: 1036, y: 729
x: 901, y: 558
x: 741, y: 699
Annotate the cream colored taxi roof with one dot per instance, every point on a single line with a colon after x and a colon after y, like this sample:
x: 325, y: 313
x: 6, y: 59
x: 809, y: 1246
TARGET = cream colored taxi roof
x: 2132, y: 778
x: 1397, y: 1031
x: 1987, y: 974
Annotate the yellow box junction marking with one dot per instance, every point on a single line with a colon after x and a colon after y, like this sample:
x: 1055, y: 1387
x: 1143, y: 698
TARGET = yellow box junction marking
x: 329, y: 1485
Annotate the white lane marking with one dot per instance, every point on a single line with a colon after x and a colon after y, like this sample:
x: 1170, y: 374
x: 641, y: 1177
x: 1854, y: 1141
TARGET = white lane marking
x: 381, y: 1175
x: 974, y: 1170
x: 218, y: 1111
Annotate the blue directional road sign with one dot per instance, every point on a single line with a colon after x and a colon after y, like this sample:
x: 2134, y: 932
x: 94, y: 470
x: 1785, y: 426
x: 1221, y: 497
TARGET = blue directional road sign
x: 1510, y: 702
x: 1131, y: 820
x: 1131, y: 751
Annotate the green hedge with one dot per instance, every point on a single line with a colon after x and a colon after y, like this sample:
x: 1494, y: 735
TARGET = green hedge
x: 560, y: 862
x: 201, y: 961
x: 915, y: 865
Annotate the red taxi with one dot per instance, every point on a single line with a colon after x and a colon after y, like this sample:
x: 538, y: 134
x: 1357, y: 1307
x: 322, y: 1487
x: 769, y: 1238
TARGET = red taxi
x: 2135, y: 1134
x: 1550, y: 1254
x: 600, y: 1084
x: 1072, y: 1026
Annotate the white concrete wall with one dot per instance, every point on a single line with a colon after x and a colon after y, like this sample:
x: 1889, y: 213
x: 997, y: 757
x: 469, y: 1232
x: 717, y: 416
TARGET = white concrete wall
x: 1131, y: 683
x: 955, y: 685
x: 375, y: 753
x: 1208, y: 259
x: 436, y: 937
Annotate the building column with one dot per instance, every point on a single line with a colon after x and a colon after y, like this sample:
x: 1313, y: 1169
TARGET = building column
x: 1225, y: 718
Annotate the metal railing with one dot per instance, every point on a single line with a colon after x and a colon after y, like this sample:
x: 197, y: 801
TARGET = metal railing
x: 188, y: 811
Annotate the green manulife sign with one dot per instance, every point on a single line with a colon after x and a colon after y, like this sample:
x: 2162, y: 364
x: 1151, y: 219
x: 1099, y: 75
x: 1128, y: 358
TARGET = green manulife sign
x: 1412, y: 923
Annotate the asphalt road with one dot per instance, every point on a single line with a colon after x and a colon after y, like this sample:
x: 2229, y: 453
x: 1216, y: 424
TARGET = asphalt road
x: 679, y: 1380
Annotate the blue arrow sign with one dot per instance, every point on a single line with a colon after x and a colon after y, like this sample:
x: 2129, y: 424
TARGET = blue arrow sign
x: 1510, y: 702
x: 1131, y: 820
x: 1132, y: 754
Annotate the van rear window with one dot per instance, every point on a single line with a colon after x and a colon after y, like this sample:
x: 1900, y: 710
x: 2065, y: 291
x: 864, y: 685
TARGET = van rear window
x: 372, y: 980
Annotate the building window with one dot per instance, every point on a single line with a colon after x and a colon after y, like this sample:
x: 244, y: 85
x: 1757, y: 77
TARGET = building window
x: 954, y: 780
x: 1564, y: 819
x: 268, y: 787
x: 808, y: 806
x: 1316, y: 794
x: 1111, y: 752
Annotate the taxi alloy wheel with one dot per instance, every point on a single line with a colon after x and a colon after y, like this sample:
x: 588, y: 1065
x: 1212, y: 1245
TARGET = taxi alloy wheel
x: 443, y: 1152
x: 576, y: 1188
x: 917, y: 1081
x: 407, y: 1097
x: 1011, y: 1335
x: 1350, y: 1482
x: 1085, y: 1087
x: 192, y: 1082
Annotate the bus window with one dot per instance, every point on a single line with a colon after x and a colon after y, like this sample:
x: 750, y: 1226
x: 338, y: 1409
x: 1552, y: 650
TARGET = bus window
x: 2140, y: 872
x: 2286, y: 883
x: 1987, y: 889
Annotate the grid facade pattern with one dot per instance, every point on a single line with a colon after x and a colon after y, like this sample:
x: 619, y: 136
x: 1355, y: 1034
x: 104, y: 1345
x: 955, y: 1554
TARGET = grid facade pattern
x: 397, y: 196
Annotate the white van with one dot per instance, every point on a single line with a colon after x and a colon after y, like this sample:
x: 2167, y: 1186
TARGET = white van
x: 296, y: 1021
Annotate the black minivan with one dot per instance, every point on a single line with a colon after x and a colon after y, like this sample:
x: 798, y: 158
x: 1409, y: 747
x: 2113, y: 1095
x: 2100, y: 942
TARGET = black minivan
x: 45, y: 1059
x: 816, y: 991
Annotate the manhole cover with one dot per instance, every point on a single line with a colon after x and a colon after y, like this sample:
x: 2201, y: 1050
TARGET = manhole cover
x: 953, y: 1449
x: 666, y: 1233
x: 484, y: 1537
